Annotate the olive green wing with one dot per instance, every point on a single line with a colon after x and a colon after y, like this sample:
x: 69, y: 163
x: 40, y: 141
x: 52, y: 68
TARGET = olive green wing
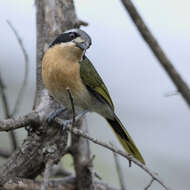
x: 93, y: 81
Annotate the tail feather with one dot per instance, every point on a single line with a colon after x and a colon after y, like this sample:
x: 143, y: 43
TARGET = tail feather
x: 125, y: 138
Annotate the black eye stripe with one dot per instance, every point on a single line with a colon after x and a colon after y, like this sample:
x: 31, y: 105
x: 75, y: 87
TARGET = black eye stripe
x: 63, y: 38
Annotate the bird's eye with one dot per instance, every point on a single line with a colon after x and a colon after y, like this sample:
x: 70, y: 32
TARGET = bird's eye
x: 72, y: 35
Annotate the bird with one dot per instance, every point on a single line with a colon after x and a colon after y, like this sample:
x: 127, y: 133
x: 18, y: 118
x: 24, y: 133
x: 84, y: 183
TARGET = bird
x: 66, y: 66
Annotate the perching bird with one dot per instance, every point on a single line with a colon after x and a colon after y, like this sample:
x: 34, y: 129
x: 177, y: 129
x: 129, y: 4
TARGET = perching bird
x: 64, y: 65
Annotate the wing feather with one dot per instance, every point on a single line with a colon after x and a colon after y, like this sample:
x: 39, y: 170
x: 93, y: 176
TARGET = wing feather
x: 93, y: 81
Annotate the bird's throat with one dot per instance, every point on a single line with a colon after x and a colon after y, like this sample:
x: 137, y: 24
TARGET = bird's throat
x: 61, y: 70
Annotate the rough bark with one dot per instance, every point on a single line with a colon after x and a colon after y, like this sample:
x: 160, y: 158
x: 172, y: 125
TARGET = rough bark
x: 53, y: 17
x: 19, y: 122
x: 30, y: 159
x: 82, y: 160
x: 48, y: 143
x: 58, y: 184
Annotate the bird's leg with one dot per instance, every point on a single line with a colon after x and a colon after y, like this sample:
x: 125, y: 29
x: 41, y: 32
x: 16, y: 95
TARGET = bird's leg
x: 75, y: 118
x: 55, y: 113
x: 79, y: 116
x: 72, y: 104
x: 50, y: 118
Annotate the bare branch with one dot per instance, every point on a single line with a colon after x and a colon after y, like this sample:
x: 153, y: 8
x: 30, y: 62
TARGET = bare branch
x: 72, y: 104
x: 7, y: 112
x: 29, y: 160
x: 149, y: 185
x: 180, y: 84
x: 119, y: 171
x: 58, y: 171
x: 26, y: 60
x: 4, y: 98
x: 81, y: 23
x: 23, y: 86
x: 13, y: 140
x: 80, y: 151
x: 52, y: 18
x: 68, y: 183
x: 117, y: 151
x: 49, y: 165
x: 82, y: 161
x: 4, y: 153
x: 19, y: 122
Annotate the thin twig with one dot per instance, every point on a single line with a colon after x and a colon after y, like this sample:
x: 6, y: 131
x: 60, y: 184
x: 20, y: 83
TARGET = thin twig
x: 48, y: 168
x: 149, y: 185
x: 81, y: 23
x: 119, y: 172
x: 25, y: 80
x: 58, y: 171
x: 19, y: 122
x: 97, y: 175
x: 7, y: 112
x: 157, y: 50
x: 72, y: 104
x: 23, y: 86
x: 4, y: 98
x: 13, y: 140
x: 117, y: 151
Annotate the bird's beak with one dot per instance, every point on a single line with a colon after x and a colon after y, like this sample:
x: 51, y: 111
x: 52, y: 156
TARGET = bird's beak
x: 81, y: 43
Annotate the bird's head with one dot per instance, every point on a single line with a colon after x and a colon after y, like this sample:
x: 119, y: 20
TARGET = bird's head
x: 74, y: 37
x: 71, y: 45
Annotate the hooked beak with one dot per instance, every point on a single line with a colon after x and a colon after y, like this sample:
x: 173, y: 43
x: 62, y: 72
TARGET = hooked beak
x: 83, y: 44
x: 83, y: 41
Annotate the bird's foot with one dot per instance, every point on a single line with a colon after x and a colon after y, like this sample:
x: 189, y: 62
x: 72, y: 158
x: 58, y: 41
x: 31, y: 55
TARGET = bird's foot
x: 78, y: 117
x: 67, y: 122
x: 52, y: 115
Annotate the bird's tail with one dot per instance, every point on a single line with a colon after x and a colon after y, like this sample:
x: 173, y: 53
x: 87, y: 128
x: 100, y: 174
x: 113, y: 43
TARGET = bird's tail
x: 125, y: 138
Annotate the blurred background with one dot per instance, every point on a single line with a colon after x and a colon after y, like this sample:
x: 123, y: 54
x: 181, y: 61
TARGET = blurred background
x: 138, y: 85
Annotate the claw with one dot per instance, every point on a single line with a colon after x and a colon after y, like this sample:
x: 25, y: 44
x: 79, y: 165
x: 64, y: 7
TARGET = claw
x: 80, y: 115
x: 67, y: 122
x: 52, y: 115
x: 70, y: 121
